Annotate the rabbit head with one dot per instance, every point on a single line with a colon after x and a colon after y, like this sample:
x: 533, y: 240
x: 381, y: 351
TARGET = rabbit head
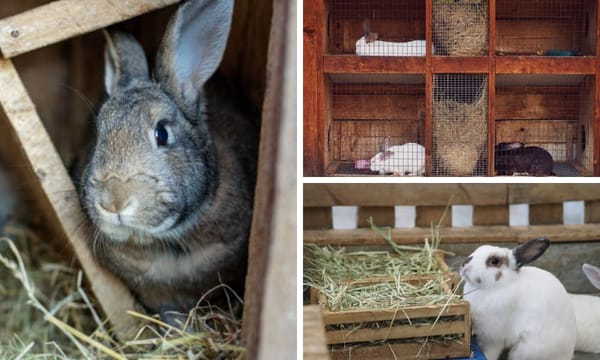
x: 377, y: 162
x: 593, y: 274
x: 154, y: 160
x: 492, y: 266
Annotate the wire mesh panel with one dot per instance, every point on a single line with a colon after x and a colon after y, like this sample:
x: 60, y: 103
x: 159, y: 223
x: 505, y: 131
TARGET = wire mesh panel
x: 544, y: 125
x: 546, y: 27
x: 377, y: 27
x: 460, y: 28
x: 377, y: 129
x: 459, y: 125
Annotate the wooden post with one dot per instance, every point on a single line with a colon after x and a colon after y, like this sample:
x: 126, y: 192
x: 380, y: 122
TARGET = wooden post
x: 428, y: 87
x: 60, y: 196
x: 491, y: 86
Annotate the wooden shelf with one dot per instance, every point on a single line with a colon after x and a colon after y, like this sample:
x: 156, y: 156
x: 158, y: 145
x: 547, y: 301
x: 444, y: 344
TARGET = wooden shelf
x: 459, y: 64
x: 581, y: 65
x: 344, y: 64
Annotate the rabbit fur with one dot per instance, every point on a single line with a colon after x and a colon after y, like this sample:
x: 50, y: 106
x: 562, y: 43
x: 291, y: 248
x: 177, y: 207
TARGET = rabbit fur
x: 169, y: 181
x: 518, y: 312
x: 515, y: 158
x: 587, y: 313
x: 401, y: 160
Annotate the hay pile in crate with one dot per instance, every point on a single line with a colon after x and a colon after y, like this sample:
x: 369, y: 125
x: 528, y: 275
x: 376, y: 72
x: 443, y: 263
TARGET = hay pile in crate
x: 400, y: 304
x: 460, y: 134
x: 460, y: 28
x: 47, y: 314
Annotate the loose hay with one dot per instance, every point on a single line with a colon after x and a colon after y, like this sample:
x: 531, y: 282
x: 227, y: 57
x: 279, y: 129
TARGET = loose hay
x: 460, y: 29
x: 459, y: 134
x: 47, y: 314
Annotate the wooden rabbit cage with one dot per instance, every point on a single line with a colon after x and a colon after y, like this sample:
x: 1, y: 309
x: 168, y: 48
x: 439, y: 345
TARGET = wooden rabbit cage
x: 51, y: 66
x: 496, y: 217
x: 456, y: 77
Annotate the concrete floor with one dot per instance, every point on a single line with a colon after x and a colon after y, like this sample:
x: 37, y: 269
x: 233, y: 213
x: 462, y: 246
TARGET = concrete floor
x: 586, y: 356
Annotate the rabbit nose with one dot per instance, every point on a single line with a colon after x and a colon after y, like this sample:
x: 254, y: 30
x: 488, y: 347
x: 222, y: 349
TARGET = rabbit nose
x: 467, y: 260
x: 115, y: 197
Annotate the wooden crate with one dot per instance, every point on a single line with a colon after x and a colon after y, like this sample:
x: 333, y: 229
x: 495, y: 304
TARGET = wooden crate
x: 400, y: 337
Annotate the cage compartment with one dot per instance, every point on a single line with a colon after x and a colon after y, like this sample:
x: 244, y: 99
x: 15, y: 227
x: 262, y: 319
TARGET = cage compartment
x: 546, y: 27
x: 459, y: 125
x: 397, y: 28
x: 554, y: 113
x: 364, y: 115
x: 460, y: 28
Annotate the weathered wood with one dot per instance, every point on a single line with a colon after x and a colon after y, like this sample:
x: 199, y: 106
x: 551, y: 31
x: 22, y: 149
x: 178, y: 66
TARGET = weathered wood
x: 382, y: 215
x: 592, y: 212
x: 317, y: 218
x: 551, y: 193
x: 545, y: 214
x: 337, y: 317
x: 60, y: 20
x: 343, y: 64
x: 550, y: 106
x: 459, y: 64
x: 528, y: 36
x: 114, y: 298
x: 402, y: 351
x: 491, y: 88
x: 490, y: 215
x: 270, y: 296
x: 403, y: 332
x: 381, y: 107
x: 474, y: 234
x: 581, y: 65
x: 314, y: 334
x: 433, y: 215
x: 595, y: 128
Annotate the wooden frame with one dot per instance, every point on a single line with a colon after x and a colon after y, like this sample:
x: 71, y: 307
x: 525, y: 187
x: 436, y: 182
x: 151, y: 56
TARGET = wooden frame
x: 319, y: 65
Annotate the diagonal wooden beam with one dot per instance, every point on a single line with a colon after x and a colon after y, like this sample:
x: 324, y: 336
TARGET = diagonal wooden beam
x: 64, y: 19
x: 60, y: 196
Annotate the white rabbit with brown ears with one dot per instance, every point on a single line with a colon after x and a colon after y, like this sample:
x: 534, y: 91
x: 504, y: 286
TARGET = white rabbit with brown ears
x: 587, y: 313
x: 518, y: 312
x: 169, y: 183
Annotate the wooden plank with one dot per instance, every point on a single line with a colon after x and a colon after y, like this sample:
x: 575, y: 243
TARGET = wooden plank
x: 270, y: 297
x: 459, y: 64
x: 549, y: 106
x: 545, y: 214
x: 551, y: 193
x: 404, y: 194
x: 428, y: 215
x: 428, y: 87
x: 592, y: 212
x: 317, y: 218
x: 114, y: 298
x: 64, y: 19
x: 351, y: 64
x: 490, y: 215
x: 382, y: 215
x: 581, y: 65
x: 393, y: 332
x: 403, y: 351
x: 528, y: 36
x: 313, y: 138
x: 596, y: 119
x: 341, y: 317
x: 381, y: 107
x: 491, y: 87
x: 314, y: 334
x: 474, y: 235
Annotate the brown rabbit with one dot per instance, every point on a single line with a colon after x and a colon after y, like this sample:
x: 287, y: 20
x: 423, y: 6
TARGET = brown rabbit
x: 169, y: 182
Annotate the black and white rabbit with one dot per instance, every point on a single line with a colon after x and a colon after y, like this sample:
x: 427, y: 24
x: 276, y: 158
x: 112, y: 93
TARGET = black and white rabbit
x: 518, y: 312
x: 587, y: 313
x: 169, y: 183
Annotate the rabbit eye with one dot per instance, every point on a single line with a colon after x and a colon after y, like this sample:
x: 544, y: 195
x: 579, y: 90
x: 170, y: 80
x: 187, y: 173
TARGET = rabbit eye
x: 161, y: 134
x: 494, y: 261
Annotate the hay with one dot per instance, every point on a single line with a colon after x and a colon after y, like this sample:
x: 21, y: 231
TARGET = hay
x: 47, y: 314
x: 459, y: 134
x: 460, y: 29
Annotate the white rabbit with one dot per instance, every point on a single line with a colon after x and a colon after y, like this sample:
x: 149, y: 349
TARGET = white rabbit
x: 402, y: 160
x: 587, y: 313
x: 364, y: 47
x: 518, y: 312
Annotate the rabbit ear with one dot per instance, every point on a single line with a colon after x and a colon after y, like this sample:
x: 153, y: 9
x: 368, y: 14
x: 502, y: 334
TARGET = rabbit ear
x: 124, y: 60
x: 593, y: 274
x: 193, y: 47
x: 530, y: 251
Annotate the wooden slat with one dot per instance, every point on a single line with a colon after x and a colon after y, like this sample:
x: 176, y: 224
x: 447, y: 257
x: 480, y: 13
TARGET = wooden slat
x: 314, y: 334
x: 404, y: 351
x: 317, y: 218
x: 596, y: 119
x: 428, y: 215
x: 491, y: 87
x: 341, y: 317
x: 428, y: 87
x: 545, y: 214
x: 474, y: 234
x: 592, y: 212
x: 60, y: 20
x: 382, y: 215
x: 352, y: 64
x: 558, y: 106
x: 459, y: 64
x: 581, y: 65
x: 381, y: 107
x: 114, y: 298
x: 394, y: 332
x: 490, y: 215
x: 551, y: 193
